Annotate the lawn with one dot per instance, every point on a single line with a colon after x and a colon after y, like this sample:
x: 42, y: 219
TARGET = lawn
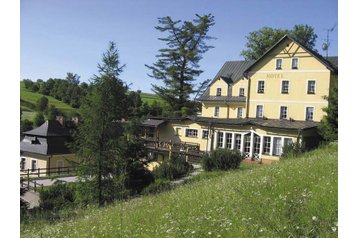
x: 294, y: 198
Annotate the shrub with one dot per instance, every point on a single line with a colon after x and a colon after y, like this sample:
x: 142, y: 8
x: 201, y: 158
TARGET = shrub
x: 173, y: 168
x: 42, y: 104
x: 292, y: 150
x: 158, y: 186
x: 57, y: 196
x: 39, y: 119
x: 222, y: 159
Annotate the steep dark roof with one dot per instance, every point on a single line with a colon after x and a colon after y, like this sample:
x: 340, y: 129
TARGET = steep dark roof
x: 333, y: 60
x: 48, y: 129
x: 315, y: 54
x: 233, y: 70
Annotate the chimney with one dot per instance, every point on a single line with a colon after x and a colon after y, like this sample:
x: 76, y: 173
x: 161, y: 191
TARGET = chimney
x: 61, y: 120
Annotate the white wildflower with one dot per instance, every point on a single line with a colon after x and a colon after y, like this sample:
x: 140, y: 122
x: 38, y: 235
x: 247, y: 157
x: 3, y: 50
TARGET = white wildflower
x: 334, y: 228
x: 314, y: 218
x: 209, y: 233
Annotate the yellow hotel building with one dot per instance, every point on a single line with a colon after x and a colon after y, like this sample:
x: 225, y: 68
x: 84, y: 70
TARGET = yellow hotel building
x: 259, y: 106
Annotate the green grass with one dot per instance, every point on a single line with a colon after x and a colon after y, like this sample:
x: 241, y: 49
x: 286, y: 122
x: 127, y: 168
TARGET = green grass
x: 294, y: 198
x: 29, y: 99
x: 150, y: 98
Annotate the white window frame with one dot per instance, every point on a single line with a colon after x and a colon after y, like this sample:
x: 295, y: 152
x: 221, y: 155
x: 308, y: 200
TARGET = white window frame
x: 192, y: 129
x: 262, y: 111
x: 274, y: 150
x: 227, y: 140
x: 297, y: 63
x: 288, y: 88
x: 264, y: 145
x: 315, y: 86
x: 281, y: 63
x: 258, y: 87
x: 279, y: 115
x: 314, y: 109
x: 218, y: 139
x: 202, y: 133
x: 241, y: 95
x: 218, y: 92
x: 218, y: 114
x: 238, y: 112
x: 234, y: 141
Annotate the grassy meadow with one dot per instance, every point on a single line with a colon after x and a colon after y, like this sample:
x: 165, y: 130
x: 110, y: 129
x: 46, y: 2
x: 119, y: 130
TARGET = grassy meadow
x: 296, y: 197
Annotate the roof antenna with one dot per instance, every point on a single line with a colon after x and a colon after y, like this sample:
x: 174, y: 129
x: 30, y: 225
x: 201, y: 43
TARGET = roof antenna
x: 327, y: 42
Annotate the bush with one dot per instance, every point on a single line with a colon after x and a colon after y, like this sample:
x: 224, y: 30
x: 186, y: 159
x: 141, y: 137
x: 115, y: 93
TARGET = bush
x: 222, y: 159
x: 39, y: 119
x: 57, y: 196
x: 42, y: 104
x: 158, y: 186
x: 292, y: 150
x: 173, y: 168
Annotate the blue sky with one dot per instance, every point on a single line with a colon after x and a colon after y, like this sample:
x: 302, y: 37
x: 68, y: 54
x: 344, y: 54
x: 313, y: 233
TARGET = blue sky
x: 61, y: 36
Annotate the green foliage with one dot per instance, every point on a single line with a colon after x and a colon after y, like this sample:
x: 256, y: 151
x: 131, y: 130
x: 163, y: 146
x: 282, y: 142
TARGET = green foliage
x: 172, y: 168
x: 293, y: 150
x: 158, y: 186
x: 178, y: 64
x: 26, y: 125
x: 328, y: 129
x: 42, y: 104
x: 58, y: 196
x: 292, y: 198
x: 39, y: 119
x: 222, y: 159
x: 53, y: 112
x: 263, y: 39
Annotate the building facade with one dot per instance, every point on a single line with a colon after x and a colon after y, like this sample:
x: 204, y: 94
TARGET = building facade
x: 259, y: 106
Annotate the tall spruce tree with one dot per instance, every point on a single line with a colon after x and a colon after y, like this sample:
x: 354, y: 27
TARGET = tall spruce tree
x: 263, y: 39
x: 98, y: 141
x: 178, y: 64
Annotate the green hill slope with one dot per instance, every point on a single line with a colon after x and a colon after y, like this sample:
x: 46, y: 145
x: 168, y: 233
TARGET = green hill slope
x: 293, y: 198
x: 28, y: 101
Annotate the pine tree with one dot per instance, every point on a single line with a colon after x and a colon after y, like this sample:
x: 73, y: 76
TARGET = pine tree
x: 178, y: 64
x: 98, y: 141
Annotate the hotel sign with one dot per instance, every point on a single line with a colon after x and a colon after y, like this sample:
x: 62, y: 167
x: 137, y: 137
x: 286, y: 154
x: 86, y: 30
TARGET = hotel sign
x: 274, y: 76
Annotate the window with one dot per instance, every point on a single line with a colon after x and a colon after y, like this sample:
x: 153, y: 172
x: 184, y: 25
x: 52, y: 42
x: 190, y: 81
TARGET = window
x: 237, y: 141
x: 309, y: 113
x: 22, y: 163
x: 261, y: 87
x: 205, y: 134
x: 294, y: 63
x: 218, y: 92
x: 311, y: 87
x: 278, y: 63
x: 239, y: 112
x: 287, y: 141
x: 267, y: 145
x: 277, y: 146
x: 191, y: 133
x: 283, y: 112
x: 257, y: 141
x: 217, y: 110
x: 33, y: 165
x: 220, y: 138
x: 247, y: 141
x: 259, y: 111
x: 242, y: 92
x: 284, y: 86
x: 228, y: 140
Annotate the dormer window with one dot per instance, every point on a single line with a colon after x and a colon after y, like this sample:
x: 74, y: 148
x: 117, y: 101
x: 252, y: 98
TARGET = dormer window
x: 218, y: 92
x: 278, y: 63
x: 294, y: 63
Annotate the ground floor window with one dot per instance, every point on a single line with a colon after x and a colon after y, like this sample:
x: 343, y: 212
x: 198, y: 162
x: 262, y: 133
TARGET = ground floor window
x: 22, y: 163
x: 247, y: 142
x: 228, y: 140
x: 267, y: 145
x: 205, y: 134
x: 277, y: 146
x: 33, y: 165
x: 257, y: 141
x: 287, y: 141
x: 191, y: 133
x: 237, y: 144
x: 220, y: 138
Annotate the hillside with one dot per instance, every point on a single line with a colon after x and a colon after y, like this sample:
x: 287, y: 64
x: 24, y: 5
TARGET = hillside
x: 28, y: 101
x: 293, y: 198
